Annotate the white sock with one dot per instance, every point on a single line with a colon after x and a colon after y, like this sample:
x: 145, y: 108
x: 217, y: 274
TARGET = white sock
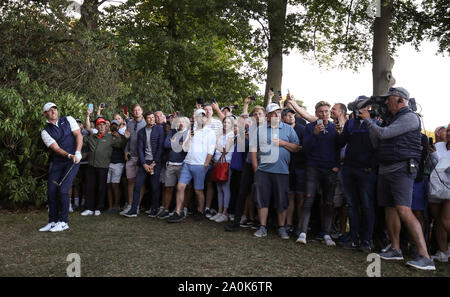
x: 76, y: 202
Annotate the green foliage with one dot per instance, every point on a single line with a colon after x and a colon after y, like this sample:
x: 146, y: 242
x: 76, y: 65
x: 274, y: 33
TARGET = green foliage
x: 23, y: 156
x: 177, y: 51
x: 437, y: 13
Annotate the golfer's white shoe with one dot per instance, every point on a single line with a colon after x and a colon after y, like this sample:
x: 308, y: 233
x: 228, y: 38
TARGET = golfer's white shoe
x: 60, y: 226
x: 47, y: 227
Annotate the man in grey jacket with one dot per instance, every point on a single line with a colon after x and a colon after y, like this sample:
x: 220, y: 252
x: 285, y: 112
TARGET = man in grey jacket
x: 398, y: 144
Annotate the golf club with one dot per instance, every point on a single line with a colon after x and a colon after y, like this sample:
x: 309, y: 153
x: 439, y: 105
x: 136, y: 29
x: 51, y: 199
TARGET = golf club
x: 59, y: 185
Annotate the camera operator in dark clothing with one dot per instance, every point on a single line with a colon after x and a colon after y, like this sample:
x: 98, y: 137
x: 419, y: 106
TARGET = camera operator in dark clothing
x: 398, y: 147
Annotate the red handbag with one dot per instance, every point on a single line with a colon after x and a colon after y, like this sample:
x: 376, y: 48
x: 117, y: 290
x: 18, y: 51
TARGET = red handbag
x: 220, y: 170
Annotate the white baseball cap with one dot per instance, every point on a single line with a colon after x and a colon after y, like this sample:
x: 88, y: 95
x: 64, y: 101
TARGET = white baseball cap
x: 272, y: 107
x: 199, y: 112
x: 49, y: 105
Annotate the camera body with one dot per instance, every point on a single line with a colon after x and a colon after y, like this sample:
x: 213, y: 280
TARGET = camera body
x: 379, y: 108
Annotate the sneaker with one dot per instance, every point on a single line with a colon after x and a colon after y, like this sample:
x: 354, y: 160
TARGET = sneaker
x: 214, y: 217
x: 387, y: 248
x: 262, y: 232
x: 208, y: 213
x: 282, y: 231
x: 422, y: 263
x: 47, y: 227
x: 160, y: 210
x: 448, y: 252
x: 231, y: 217
x: 349, y: 245
x: 336, y: 235
x: 164, y: 215
x: 147, y: 212
x: 243, y: 220
x: 319, y: 237
x: 366, y: 247
x: 87, y: 212
x: 60, y: 226
x: 130, y: 214
x: 125, y: 209
x: 176, y: 218
x: 290, y: 230
x: 97, y: 212
x: 222, y: 218
x: 329, y: 241
x: 391, y: 254
x: 440, y: 256
x: 301, y: 238
x: 232, y: 228
x: 249, y: 224
x: 70, y: 208
x: 343, y: 238
x: 198, y: 216
x: 153, y: 213
x: 185, y: 210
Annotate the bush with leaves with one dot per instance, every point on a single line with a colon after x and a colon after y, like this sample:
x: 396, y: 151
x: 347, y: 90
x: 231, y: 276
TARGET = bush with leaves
x: 23, y: 155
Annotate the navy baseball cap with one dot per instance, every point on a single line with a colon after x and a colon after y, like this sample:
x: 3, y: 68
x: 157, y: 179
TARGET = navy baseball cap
x: 285, y: 111
x: 399, y: 92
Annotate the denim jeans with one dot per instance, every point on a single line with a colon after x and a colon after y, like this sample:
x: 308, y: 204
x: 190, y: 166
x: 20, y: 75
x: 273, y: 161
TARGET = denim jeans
x: 359, y: 189
x: 325, y: 178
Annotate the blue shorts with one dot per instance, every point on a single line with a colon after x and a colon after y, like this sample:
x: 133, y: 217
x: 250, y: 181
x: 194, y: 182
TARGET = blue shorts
x: 196, y: 172
x: 418, y: 196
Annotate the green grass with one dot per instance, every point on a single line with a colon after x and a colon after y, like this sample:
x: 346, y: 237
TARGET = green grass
x: 111, y: 245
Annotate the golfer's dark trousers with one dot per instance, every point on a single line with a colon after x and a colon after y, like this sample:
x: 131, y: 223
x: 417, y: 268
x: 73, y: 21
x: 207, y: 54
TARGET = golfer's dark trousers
x: 247, y: 179
x: 96, y: 187
x: 58, y: 196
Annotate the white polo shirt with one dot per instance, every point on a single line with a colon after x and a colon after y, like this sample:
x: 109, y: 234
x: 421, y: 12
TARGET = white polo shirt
x: 202, y: 144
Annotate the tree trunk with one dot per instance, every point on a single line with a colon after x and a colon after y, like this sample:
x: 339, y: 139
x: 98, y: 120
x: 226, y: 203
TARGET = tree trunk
x: 276, y: 11
x: 382, y: 62
x: 89, y: 14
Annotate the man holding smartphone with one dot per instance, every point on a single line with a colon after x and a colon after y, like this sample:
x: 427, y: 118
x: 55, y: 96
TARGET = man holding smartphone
x: 321, y: 169
x: 63, y: 137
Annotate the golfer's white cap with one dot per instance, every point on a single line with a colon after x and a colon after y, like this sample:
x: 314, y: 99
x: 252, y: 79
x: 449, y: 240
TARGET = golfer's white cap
x: 49, y: 105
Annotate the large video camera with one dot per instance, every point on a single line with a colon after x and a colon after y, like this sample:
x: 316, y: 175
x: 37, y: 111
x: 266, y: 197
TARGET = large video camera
x: 379, y: 108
